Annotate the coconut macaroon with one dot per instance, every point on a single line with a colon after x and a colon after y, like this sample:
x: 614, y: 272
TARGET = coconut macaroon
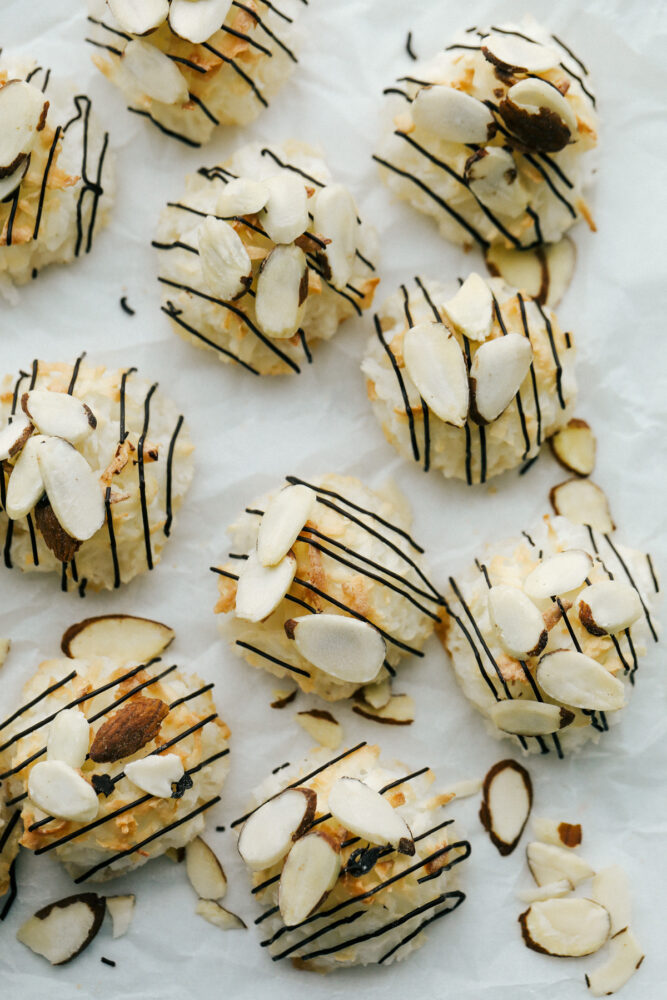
x: 546, y: 631
x: 325, y: 585
x: 189, y: 65
x: 56, y: 172
x: 95, y: 463
x: 492, y: 137
x: 352, y: 858
x: 113, y: 765
x: 10, y: 834
x: 470, y: 383
x: 264, y: 256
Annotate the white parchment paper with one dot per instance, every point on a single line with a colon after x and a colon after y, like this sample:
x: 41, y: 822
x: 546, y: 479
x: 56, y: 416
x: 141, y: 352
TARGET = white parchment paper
x: 249, y: 434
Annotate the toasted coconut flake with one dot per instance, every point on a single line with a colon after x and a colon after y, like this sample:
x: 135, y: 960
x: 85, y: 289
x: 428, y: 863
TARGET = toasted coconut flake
x: 518, y: 623
x: 261, y: 588
x: 625, y: 957
x: 611, y: 888
x: 538, y: 115
x: 582, y: 502
x: 23, y: 110
x: 59, y: 414
x: 121, y: 911
x: 279, y: 301
x: 197, y: 21
x: 335, y: 216
x: 322, y: 726
x: 365, y: 813
x: 123, y: 638
x: 398, y: 711
x: 14, y: 436
x: 139, y: 18
x: 242, y: 195
x: 156, y: 74
x: 308, y: 876
x: 156, y: 774
x: 507, y: 797
x: 226, y: 266
x: 549, y: 863
x: 471, y: 310
x: 71, y: 487
x: 204, y: 871
x: 498, y: 369
x: 341, y: 646
x: 575, y: 679
x: 25, y: 485
x: 565, y: 928
x: 68, y: 738
x: 553, y: 890
x: 451, y: 114
x: 558, y: 574
x: 608, y: 607
x: 551, y: 831
x: 284, y: 518
x: 62, y: 930
x: 59, y: 790
x: 435, y: 363
x: 219, y: 916
x: 286, y: 213
x: 268, y: 834
x: 574, y: 446
x: 523, y: 717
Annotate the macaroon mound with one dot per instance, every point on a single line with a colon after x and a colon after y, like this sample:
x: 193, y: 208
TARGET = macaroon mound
x: 470, y: 384
x: 189, y: 65
x: 492, y: 137
x: 116, y: 765
x: 264, y: 256
x: 95, y: 462
x: 10, y: 834
x: 325, y: 585
x: 355, y: 840
x: 546, y: 632
x: 56, y: 173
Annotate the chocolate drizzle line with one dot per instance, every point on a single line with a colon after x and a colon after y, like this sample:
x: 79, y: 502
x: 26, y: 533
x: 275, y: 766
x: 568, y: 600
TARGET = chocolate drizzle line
x: 13, y: 891
x: 557, y: 364
x: 457, y: 894
x: 83, y: 107
x: 656, y: 585
x: 166, y: 131
x: 142, y: 481
x: 425, y: 411
x: 7, y: 832
x: 42, y: 192
x: 273, y: 659
x: 239, y: 71
x: 35, y: 701
x: 408, y: 47
x: 112, y: 538
x: 538, y: 410
x: 175, y: 315
x: 170, y: 462
x: 265, y: 28
x: 632, y: 584
x: 401, y: 383
x: 202, y: 107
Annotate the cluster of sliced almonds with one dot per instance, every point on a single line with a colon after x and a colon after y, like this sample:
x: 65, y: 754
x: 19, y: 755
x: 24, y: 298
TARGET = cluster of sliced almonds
x: 23, y: 110
x: 193, y: 20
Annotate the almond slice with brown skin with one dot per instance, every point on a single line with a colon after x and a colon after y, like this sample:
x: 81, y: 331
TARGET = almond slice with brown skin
x: 23, y: 110
x: 268, y: 834
x: 242, y: 195
x: 579, y: 681
x: 565, y: 928
x: 451, y: 114
x: 286, y: 213
x: 219, y: 916
x: 497, y: 371
x: 507, y: 798
x: 156, y: 75
x: 156, y: 773
x: 335, y: 217
x: 367, y: 814
x: 204, y: 871
x: 470, y: 311
x: 574, y: 446
x: 72, y: 488
x: 58, y: 790
x: 308, y: 876
x: 435, y: 363
x: 196, y: 22
x: 398, y: 711
x: 558, y: 574
x: 59, y: 414
x: 608, y: 607
x: 62, y: 930
x: 322, y: 726
x: 128, y: 730
x: 538, y: 115
x: 63, y: 546
x: 284, y: 518
x: 625, y: 957
x: 225, y: 264
x: 121, y: 911
x: 25, y: 485
x: 123, y: 638
x: 551, y: 831
x: 549, y: 863
x: 611, y: 888
x: 582, y: 502
x: 260, y: 589
x: 543, y: 273
x: 492, y: 176
x: 282, y: 287
x: 139, y: 18
x: 339, y: 645
x: 517, y: 622
x: 10, y: 183
x: 510, y: 52
x: 524, y: 717
x: 14, y: 436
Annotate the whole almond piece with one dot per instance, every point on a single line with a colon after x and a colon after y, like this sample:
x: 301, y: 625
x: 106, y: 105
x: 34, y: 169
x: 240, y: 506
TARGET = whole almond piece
x: 128, y: 730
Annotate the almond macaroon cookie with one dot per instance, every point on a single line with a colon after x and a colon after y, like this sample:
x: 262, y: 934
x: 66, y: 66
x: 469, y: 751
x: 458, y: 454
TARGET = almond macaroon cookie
x: 189, y: 65
x: 95, y: 463
x: 492, y: 137
x: 324, y: 584
x: 546, y: 630
x: 113, y: 763
x: 351, y: 858
x: 264, y: 256
x: 470, y: 382
x: 56, y: 172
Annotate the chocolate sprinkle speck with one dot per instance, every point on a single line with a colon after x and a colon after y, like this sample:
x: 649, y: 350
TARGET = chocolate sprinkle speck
x: 108, y: 961
x: 182, y: 786
x: 362, y: 860
x: 102, y: 784
x: 125, y: 307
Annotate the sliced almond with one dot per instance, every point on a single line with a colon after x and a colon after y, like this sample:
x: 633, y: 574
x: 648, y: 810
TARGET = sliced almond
x: 608, y: 607
x: 543, y: 273
x: 284, y: 518
x: 155, y: 73
x: 261, y: 588
x: 551, y: 831
x: 280, y: 293
x: 451, y: 114
x: 60, y: 931
x: 123, y: 638
x: 493, y: 178
x: 196, y: 22
x: 121, y: 911
x: 507, y: 797
x: 59, y: 414
x: 23, y: 109
x: 377, y: 695
x: 339, y: 645
x: 611, y: 888
x: 10, y: 182
x: 471, y: 309
x: 335, y: 217
x: 322, y: 726
x: 582, y: 502
x: 139, y: 18
x: 219, y: 916
x: 574, y: 447
x: 286, y: 213
x: 225, y: 264
x: 463, y: 789
x: 14, y: 436
x: 308, y: 876
x: 558, y: 574
x: 510, y: 52
x: 435, y: 363
x: 565, y: 928
x: 72, y: 488
x: 497, y: 371
x: 398, y: 711
x: 549, y: 863
x: 58, y: 790
x: 625, y: 957
x: 517, y: 622
x: 68, y: 738
x: 575, y: 679
x: 538, y: 115
x: 242, y: 195
x: 204, y: 871
x: 25, y: 485
x: 365, y: 813
x: 63, y: 546
x: 524, y: 717
x: 554, y: 890
x: 156, y: 773
x: 268, y: 834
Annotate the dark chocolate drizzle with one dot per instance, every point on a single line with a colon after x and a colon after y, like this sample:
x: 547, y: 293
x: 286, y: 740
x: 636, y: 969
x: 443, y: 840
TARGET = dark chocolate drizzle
x: 265, y: 28
x: 175, y: 314
x: 408, y: 47
x: 424, y: 407
x: 13, y: 891
x: 170, y: 462
x: 533, y: 378
x: 239, y: 71
x: 83, y: 106
x: 401, y: 383
x: 172, y: 133
x: 45, y: 177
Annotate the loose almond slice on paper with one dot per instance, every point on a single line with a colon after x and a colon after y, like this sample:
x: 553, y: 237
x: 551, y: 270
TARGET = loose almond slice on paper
x: 156, y: 773
x: 59, y: 790
x: 25, y: 485
x: 155, y: 73
x: 286, y: 213
x: 196, y: 22
x: 451, y: 114
x: 367, y: 814
x: 575, y: 679
x: 582, y: 502
x: 72, y: 488
x: 550, y: 831
x: 268, y: 833
x: 284, y: 517
x: 625, y: 957
x: 611, y: 888
x: 14, y: 436
x: 23, y: 111
x: 123, y: 638
x: 341, y: 646
x: 121, y: 911
x: 219, y: 916
x: 558, y: 574
x: 225, y: 264
x: 544, y: 273
x: 511, y: 52
x: 471, y: 310
x: 608, y: 607
x: 261, y: 588
x: 574, y: 446
x: 565, y: 928
x: 59, y: 414
x: 282, y: 287
x: 128, y: 730
x: 242, y: 195
x: 335, y: 217
x: 378, y: 695
x: 398, y: 711
x: 435, y: 363
x: 308, y: 876
x: 518, y: 623
x: 524, y: 717
x: 68, y: 738
x: 554, y: 890
x: 322, y: 726
x: 204, y: 871
x: 538, y: 115
x: 549, y: 863
x: 507, y: 797
x: 139, y: 18
x: 60, y: 931
x: 497, y: 371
